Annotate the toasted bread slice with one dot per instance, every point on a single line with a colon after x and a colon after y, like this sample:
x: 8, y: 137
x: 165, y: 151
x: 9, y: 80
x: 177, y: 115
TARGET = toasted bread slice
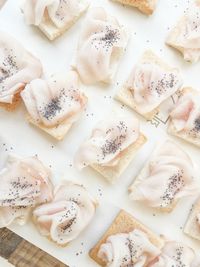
x: 145, y: 6
x: 124, y: 223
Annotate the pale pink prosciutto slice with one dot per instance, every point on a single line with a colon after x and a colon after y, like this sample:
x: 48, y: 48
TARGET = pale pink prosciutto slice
x: 176, y: 254
x: 108, y: 140
x: 70, y: 211
x: 24, y: 183
x: 187, y: 33
x: 17, y: 67
x: 54, y: 100
x: 18, y: 214
x: 151, y: 84
x: 61, y: 12
x: 131, y: 249
x: 101, y: 45
x: 185, y: 117
x: 170, y: 176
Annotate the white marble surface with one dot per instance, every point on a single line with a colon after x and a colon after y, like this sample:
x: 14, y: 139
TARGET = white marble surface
x: 5, y: 263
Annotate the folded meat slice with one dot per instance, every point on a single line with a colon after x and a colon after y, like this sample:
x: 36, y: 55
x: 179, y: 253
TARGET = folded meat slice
x: 57, y: 99
x: 18, y: 214
x: 108, y: 140
x: 128, y: 249
x: 24, y: 183
x: 67, y: 215
x: 186, y: 34
x: 104, y: 40
x: 151, y: 84
x: 185, y: 117
x: 60, y: 12
x: 17, y: 67
x: 170, y: 176
x: 176, y: 254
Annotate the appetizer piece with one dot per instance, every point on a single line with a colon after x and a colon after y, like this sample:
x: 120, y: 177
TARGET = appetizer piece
x: 192, y: 226
x: 54, y: 104
x: 127, y: 242
x: 67, y: 215
x: 145, y: 6
x: 185, y: 117
x: 111, y: 146
x: 17, y: 68
x: 24, y: 184
x: 185, y: 35
x: 150, y: 83
x: 176, y: 254
x: 165, y: 179
x: 101, y: 45
x: 53, y: 17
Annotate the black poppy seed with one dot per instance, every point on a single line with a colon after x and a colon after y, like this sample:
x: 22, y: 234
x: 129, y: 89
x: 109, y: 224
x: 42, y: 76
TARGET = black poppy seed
x: 174, y: 186
x: 51, y: 109
x: 111, y: 36
x: 178, y: 257
x: 167, y: 81
x: 68, y: 225
x: 197, y: 124
x: 113, y: 145
x: 10, y: 65
x: 134, y: 253
x: 195, y: 131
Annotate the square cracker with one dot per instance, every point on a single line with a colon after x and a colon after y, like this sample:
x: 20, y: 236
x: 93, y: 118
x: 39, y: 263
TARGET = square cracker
x: 58, y: 132
x: 183, y: 134
x: 111, y: 173
x: 191, y: 227
x: 145, y: 6
x: 51, y: 31
x: 125, y: 96
x: 124, y: 223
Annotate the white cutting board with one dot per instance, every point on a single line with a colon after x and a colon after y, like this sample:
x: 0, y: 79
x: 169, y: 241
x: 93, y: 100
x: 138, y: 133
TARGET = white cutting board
x: 19, y: 137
